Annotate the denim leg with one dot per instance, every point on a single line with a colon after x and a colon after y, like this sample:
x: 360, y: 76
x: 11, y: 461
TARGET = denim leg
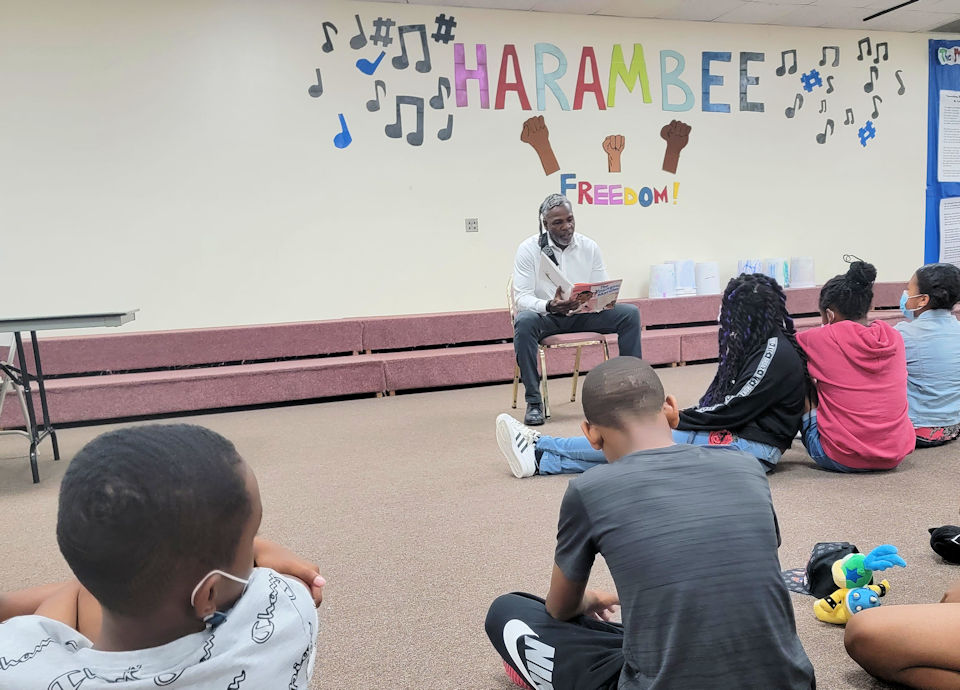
x: 567, y: 455
x: 767, y: 455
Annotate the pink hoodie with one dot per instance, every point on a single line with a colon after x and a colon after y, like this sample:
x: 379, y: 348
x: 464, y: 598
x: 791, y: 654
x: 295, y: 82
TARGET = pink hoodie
x: 861, y: 374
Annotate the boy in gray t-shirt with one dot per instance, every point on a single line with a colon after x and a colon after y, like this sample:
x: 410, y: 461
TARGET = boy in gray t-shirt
x: 690, y: 537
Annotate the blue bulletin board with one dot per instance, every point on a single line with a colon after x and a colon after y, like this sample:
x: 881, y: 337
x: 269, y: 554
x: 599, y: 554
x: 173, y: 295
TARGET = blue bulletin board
x: 944, y: 75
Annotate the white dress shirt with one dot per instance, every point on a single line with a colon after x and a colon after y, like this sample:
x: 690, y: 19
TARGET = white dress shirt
x: 580, y: 262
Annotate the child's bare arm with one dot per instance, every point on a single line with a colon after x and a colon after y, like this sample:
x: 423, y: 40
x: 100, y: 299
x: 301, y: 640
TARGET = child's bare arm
x: 25, y: 602
x: 269, y: 554
x: 62, y: 605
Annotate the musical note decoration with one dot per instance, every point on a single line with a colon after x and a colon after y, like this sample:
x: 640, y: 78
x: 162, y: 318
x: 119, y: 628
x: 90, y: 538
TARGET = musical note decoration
x: 836, y: 56
x: 373, y: 104
x: 395, y: 130
x: 822, y: 137
x: 343, y: 139
x: 782, y: 69
x: 368, y: 67
x: 360, y: 40
x: 328, y: 44
x: 316, y: 90
x: 903, y: 89
x: 402, y: 61
x: 445, y: 133
x: 436, y: 102
x: 797, y: 104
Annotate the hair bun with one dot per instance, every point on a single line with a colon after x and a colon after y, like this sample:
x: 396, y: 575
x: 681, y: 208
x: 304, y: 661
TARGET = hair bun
x: 861, y: 273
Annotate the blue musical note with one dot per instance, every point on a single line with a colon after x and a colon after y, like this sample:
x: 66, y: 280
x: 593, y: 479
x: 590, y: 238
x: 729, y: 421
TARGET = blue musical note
x: 343, y: 139
x: 368, y: 67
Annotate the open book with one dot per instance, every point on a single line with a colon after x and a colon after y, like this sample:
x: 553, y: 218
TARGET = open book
x: 593, y: 297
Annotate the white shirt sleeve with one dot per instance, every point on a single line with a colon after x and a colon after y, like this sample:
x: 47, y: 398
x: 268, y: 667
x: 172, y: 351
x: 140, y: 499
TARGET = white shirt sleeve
x: 599, y: 272
x: 525, y: 280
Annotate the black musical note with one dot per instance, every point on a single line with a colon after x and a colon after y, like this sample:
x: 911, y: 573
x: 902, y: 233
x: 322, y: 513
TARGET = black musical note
x: 342, y: 139
x: 447, y: 131
x: 836, y: 55
x: 860, y: 46
x: 436, y: 102
x: 328, y: 46
x: 394, y: 130
x: 876, y: 56
x: 876, y: 111
x: 797, y: 104
x: 903, y: 89
x: 782, y: 69
x: 360, y: 40
x: 848, y: 120
x: 823, y: 105
x: 316, y: 90
x: 830, y: 84
x: 822, y: 138
x: 374, y: 103
x: 874, y: 73
x: 402, y: 61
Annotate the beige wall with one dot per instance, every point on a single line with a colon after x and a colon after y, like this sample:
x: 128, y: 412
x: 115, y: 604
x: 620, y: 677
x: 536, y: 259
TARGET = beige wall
x: 167, y: 156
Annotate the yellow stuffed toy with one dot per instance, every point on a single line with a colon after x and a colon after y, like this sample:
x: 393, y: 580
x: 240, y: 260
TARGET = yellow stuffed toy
x: 852, y: 575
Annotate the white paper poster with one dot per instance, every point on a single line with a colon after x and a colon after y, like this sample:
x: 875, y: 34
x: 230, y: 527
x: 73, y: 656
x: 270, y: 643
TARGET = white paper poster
x: 948, y: 146
x: 950, y: 230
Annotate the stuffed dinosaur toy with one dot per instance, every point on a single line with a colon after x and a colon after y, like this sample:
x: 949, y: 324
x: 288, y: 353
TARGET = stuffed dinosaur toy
x: 853, y: 575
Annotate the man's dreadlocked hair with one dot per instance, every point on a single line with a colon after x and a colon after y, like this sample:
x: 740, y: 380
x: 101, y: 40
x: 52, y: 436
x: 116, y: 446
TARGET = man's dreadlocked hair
x: 550, y: 202
x: 754, y: 309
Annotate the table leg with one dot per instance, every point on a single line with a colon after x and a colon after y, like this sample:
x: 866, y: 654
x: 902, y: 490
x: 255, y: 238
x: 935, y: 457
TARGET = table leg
x: 47, y: 427
x: 31, y: 417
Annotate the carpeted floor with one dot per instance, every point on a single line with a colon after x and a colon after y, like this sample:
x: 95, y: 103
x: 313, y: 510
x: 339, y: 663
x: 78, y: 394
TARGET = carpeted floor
x: 418, y: 524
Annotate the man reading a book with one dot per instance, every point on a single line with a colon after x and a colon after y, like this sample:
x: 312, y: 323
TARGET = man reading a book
x: 544, y: 309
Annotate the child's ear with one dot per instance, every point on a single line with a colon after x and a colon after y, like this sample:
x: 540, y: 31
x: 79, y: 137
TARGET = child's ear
x: 593, y: 434
x: 671, y: 410
x: 205, y: 600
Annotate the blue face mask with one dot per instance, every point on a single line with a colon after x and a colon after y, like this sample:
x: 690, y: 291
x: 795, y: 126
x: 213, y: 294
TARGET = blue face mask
x: 907, y: 313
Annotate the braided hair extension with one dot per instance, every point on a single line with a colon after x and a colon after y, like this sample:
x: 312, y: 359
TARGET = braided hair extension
x: 754, y: 309
x: 851, y: 293
x: 551, y: 202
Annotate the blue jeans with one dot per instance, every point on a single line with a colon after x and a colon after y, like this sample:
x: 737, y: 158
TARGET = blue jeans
x: 810, y: 435
x: 575, y: 454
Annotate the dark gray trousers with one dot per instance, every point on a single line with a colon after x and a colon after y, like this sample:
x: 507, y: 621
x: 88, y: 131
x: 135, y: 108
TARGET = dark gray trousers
x: 529, y: 328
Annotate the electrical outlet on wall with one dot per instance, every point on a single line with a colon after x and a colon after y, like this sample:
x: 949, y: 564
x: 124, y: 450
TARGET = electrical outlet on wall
x: 473, y: 224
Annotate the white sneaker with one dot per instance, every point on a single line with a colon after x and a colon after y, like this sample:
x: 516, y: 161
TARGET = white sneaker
x: 517, y: 443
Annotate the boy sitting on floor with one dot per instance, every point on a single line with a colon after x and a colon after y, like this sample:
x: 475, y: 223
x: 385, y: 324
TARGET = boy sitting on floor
x: 690, y: 536
x: 158, y: 524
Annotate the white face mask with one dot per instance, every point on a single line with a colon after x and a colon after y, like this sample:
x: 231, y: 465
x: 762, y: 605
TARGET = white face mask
x: 217, y: 617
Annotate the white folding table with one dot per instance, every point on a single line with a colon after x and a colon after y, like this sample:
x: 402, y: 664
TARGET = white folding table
x: 21, y: 374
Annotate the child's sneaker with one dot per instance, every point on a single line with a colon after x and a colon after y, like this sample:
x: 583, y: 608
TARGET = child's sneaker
x: 515, y: 677
x: 518, y: 445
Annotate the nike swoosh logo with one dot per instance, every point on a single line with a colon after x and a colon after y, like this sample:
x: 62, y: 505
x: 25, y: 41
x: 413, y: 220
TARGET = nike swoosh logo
x: 513, y: 631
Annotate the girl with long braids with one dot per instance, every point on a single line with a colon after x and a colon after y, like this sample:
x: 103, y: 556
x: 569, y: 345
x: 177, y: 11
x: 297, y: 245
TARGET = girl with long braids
x: 858, y: 420
x: 754, y: 403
